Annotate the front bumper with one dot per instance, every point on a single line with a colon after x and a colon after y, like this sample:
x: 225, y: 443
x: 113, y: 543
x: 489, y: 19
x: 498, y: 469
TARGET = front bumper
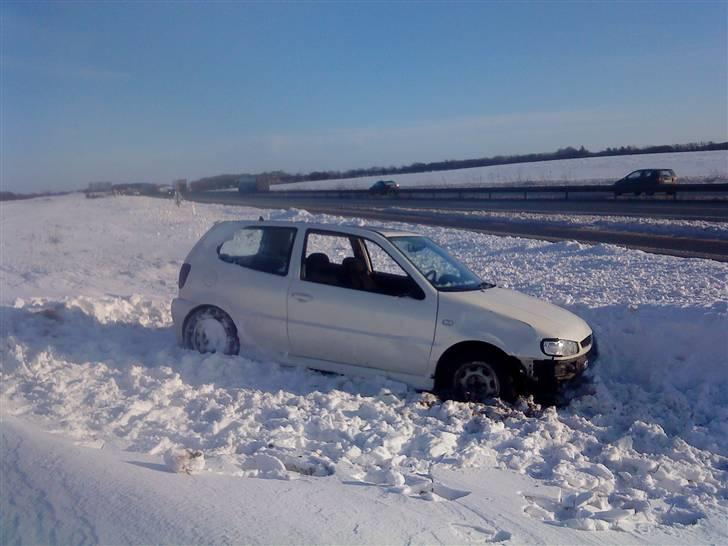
x: 552, y: 372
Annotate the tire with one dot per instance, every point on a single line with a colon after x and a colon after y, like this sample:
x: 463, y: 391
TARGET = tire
x: 482, y: 380
x: 211, y: 330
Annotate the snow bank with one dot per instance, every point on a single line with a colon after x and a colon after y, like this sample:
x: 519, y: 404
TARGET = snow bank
x: 691, y: 167
x: 87, y: 350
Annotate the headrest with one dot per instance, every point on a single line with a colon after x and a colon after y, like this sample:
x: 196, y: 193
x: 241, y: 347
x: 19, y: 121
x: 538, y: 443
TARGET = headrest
x: 317, y: 260
x: 353, y: 265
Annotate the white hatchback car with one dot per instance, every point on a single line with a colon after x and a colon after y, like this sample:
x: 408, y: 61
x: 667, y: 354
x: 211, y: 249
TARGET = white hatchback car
x: 369, y: 301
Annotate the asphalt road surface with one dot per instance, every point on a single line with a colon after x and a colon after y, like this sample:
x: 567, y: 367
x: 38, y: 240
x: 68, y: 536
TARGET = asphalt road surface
x: 383, y: 209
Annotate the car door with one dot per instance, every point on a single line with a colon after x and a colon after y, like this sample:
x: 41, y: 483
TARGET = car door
x: 344, y: 318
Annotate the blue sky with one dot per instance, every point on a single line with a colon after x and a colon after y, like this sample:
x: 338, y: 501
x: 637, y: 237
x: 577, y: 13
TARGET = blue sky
x: 153, y: 91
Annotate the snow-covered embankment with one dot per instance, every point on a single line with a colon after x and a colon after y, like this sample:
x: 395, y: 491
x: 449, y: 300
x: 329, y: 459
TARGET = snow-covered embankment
x: 87, y: 352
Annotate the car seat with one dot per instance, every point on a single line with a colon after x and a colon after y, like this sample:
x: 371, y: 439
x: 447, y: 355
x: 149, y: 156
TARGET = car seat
x: 317, y: 269
x: 355, y: 275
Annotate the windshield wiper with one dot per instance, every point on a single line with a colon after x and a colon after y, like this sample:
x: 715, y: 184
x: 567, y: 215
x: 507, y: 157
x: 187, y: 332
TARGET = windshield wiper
x: 466, y: 287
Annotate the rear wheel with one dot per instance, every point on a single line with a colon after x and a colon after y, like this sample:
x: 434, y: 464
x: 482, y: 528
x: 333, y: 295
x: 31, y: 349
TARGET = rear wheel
x: 211, y: 330
x: 480, y: 381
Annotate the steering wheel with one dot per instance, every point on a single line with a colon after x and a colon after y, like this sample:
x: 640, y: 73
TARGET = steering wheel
x: 431, y: 275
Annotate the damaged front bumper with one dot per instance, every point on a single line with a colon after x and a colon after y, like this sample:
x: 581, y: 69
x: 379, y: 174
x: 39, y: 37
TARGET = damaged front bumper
x: 551, y: 372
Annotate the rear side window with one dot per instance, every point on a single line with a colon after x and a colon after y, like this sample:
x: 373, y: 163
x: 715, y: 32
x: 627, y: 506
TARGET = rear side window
x: 266, y: 249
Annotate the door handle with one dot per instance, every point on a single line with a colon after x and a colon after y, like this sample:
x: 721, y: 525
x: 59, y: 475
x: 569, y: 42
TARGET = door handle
x: 301, y: 296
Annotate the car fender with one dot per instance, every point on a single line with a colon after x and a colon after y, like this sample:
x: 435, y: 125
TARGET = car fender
x: 456, y: 325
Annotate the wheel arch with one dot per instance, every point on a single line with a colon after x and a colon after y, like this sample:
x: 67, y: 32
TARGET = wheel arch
x: 462, y: 350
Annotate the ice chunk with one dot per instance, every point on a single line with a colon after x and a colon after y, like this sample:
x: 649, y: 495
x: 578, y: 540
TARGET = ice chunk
x: 184, y: 460
x: 262, y: 465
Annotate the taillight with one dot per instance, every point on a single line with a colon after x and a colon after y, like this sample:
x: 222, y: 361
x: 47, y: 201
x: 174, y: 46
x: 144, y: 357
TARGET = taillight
x: 183, y: 272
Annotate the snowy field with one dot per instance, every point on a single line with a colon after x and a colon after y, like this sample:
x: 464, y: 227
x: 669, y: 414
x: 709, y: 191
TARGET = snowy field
x: 690, y: 167
x: 292, y: 456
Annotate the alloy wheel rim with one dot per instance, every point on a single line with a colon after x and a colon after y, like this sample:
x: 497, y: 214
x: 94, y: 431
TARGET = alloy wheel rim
x: 478, y: 381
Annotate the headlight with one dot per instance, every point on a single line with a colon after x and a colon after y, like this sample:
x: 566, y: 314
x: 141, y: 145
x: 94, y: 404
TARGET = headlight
x: 559, y: 347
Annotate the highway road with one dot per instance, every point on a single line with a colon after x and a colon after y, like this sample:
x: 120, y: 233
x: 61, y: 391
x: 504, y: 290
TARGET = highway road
x: 435, y: 212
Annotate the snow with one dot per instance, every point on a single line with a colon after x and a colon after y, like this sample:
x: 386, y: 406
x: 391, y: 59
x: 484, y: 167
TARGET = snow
x: 185, y: 460
x: 690, y: 167
x: 639, y: 455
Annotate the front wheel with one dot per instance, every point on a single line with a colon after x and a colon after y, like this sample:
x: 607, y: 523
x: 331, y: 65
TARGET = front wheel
x: 211, y: 330
x: 479, y: 381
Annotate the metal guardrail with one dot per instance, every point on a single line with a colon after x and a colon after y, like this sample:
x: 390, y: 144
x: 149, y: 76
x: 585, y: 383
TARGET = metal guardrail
x: 511, y: 192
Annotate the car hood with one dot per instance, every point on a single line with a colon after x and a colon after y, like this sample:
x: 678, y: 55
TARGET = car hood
x: 546, y: 318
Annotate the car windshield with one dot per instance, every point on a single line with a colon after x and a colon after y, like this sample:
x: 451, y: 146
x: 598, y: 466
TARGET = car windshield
x: 443, y: 271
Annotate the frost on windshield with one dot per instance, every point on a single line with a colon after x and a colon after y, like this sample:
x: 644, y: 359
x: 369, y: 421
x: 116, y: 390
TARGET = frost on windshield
x: 438, y: 267
x: 427, y: 260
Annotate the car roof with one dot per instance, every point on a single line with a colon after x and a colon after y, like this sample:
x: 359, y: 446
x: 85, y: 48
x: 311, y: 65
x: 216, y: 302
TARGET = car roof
x: 341, y: 228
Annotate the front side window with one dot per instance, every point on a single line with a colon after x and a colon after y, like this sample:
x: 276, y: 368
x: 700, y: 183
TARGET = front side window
x: 381, y: 261
x: 355, y: 263
x: 336, y: 247
x: 634, y: 175
x: 266, y: 249
x: 443, y: 271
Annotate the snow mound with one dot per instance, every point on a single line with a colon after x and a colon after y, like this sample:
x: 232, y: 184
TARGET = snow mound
x: 646, y: 445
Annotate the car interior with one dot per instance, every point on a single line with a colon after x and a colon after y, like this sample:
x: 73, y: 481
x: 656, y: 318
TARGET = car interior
x: 355, y: 273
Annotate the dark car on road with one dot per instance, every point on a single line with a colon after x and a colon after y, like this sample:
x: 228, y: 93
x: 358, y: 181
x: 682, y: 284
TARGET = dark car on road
x: 647, y: 181
x: 384, y: 187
